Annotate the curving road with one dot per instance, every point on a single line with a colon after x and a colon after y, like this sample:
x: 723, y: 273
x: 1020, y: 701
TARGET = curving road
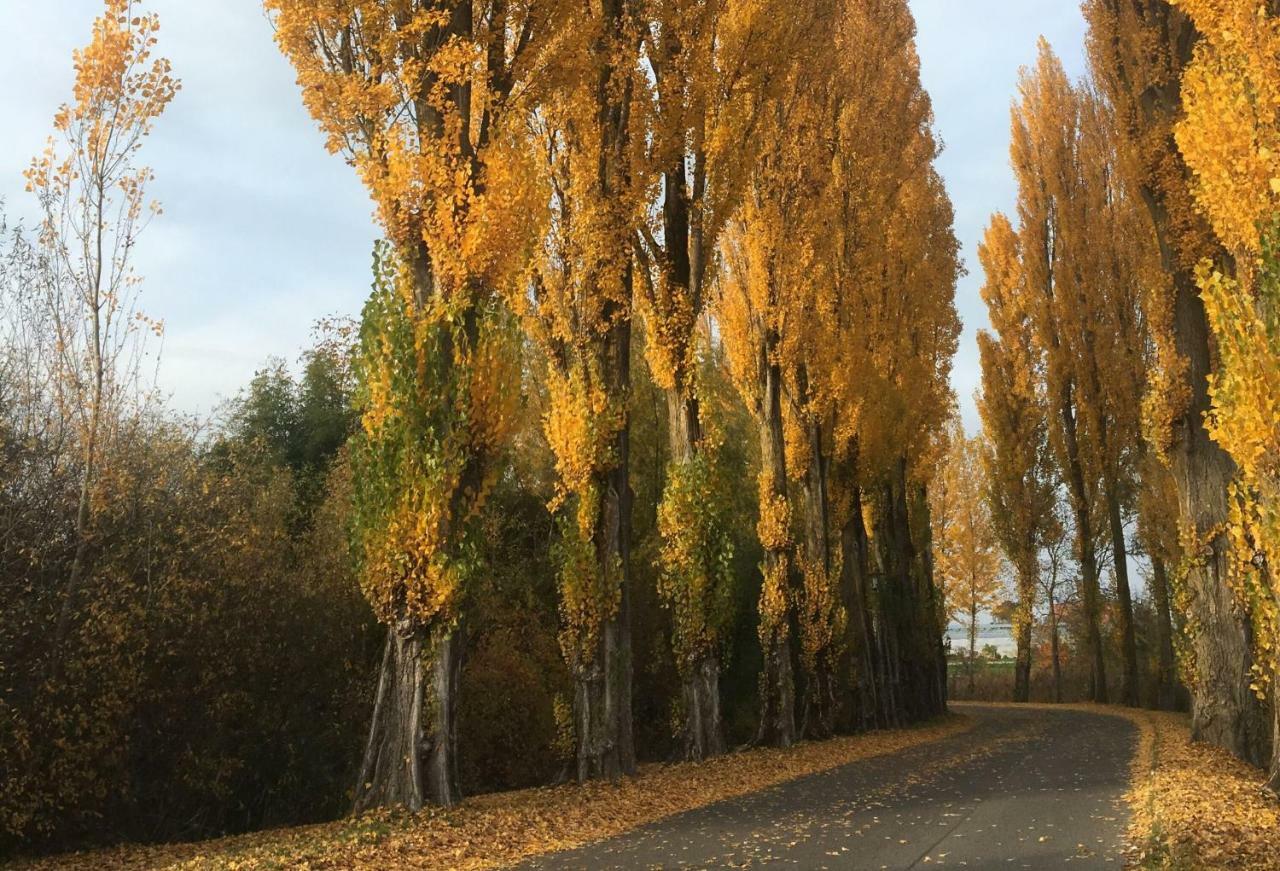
x: 1024, y: 788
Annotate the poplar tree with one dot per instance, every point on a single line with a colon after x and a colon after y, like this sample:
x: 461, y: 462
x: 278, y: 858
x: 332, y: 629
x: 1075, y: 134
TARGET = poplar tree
x: 712, y: 65
x: 422, y: 99
x: 765, y: 281
x: 1115, y: 257
x: 578, y: 309
x: 1229, y: 135
x: 1139, y: 52
x: 92, y: 195
x: 879, y: 172
x: 1020, y: 491
x: 1085, y: 255
x: 1044, y: 153
x: 964, y: 535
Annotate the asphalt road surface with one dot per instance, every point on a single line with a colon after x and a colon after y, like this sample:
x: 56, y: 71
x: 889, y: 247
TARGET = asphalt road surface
x: 1024, y: 788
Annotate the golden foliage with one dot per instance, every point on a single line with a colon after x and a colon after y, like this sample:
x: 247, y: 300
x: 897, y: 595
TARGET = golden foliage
x: 1229, y: 136
x: 92, y: 196
x: 1013, y: 406
x: 822, y: 617
x: 419, y: 99
x: 965, y: 550
x: 1194, y: 805
x: 576, y: 305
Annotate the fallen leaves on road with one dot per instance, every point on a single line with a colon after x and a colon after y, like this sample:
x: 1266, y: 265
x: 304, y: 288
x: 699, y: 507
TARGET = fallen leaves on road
x: 495, y: 830
x: 1196, y: 806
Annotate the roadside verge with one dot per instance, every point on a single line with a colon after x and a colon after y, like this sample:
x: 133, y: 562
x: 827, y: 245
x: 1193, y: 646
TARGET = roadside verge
x: 495, y: 830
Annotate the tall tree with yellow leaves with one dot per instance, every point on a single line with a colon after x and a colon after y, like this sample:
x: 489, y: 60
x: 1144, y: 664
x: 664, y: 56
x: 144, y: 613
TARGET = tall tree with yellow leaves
x: 92, y: 195
x: 904, y: 438
x: 579, y: 313
x: 1085, y: 256
x: 711, y: 65
x: 1115, y: 256
x: 424, y: 100
x: 1139, y: 52
x: 1046, y: 127
x: 1230, y: 135
x: 964, y: 535
x: 889, y: 255
x: 763, y: 289
x: 1016, y: 456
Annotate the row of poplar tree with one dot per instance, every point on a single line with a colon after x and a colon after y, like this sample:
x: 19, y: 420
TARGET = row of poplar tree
x: 564, y: 174
x: 1133, y: 365
x: 636, y: 255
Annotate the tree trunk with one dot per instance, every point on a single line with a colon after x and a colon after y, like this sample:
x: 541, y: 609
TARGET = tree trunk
x: 1169, y: 690
x: 606, y: 744
x: 411, y: 754
x: 1056, y: 649
x: 1129, y: 687
x: 819, y: 696
x: 1022, y: 666
x: 861, y: 707
x: 1272, y: 786
x: 1089, y: 588
x: 973, y: 644
x: 1224, y: 709
x: 777, y: 683
x: 933, y: 622
x: 602, y: 698
x: 703, y: 730
x: 888, y: 665
x: 603, y: 686
x: 908, y: 627
x: 599, y: 704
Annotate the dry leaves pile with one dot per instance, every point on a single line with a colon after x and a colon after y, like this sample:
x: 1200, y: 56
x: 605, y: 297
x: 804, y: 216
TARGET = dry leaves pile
x: 1196, y: 806
x: 495, y: 830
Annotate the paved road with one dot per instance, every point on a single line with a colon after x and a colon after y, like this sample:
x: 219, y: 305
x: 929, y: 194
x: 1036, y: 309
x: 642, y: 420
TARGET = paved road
x: 1021, y: 789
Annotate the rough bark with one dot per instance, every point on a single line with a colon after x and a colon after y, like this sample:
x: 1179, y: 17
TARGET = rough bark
x: 819, y: 688
x: 604, y: 729
x: 910, y: 627
x: 933, y: 623
x: 1224, y: 709
x: 704, y: 729
x: 410, y: 757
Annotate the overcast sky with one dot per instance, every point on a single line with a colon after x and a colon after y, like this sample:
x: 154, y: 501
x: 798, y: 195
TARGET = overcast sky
x: 264, y: 231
